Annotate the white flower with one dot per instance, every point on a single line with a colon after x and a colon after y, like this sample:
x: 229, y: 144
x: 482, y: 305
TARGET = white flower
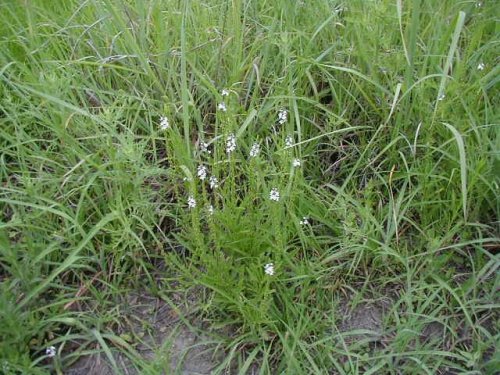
x: 296, y: 163
x: 282, y: 116
x: 269, y: 269
x: 202, y: 172
x: 274, y: 195
x: 304, y: 221
x: 210, y: 210
x: 50, y: 351
x: 164, y: 124
x: 222, y: 107
x: 214, y: 182
x: 481, y: 66
x: 288, y: 141
x: 255, y: 150
x: 204, y: 147
x: 191, y: 202
x: 225, y: 92
x: 230, y: 143
x: 441, y: 97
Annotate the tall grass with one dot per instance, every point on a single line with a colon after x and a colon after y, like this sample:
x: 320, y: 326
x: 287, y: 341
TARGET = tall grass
x: 391, y: 111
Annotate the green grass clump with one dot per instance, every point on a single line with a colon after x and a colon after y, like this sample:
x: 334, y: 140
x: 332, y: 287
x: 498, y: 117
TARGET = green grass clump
x: 129, y: 133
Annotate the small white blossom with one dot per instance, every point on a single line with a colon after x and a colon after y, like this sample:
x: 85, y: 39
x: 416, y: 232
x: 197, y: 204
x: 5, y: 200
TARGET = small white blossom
x: 479, y: 4
x: 255, y: 150
x: 191, y: 202
x: 441, y: 97
x: 202, y: 172
x: 210, y: 210
x: 214, y: 182
x: 50, y: 351
x: 269, y: 269
x: 288, y: 141
x: 164, y: 124
x: 204, y: 147
x: 481, y: 66
x: 282, y: 116
x: 274, y: 195
x: 222, y: 107
x: 225, y: 92
x: 296, y: 163
x: 304, y: 221
x: 230, y: 143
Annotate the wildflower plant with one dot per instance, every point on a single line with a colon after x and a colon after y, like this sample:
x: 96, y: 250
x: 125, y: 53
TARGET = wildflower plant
x: 252, y: 200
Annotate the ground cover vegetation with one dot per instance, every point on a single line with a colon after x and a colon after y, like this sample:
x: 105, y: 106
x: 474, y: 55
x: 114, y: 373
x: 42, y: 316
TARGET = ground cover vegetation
x: 299, y: 187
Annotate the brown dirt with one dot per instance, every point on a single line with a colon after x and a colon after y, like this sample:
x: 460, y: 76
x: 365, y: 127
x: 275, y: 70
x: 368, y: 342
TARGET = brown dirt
x: 163, y: 340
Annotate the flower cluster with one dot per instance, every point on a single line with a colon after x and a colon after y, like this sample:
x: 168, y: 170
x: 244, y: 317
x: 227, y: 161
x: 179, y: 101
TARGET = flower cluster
x: 274, y: 195
x: 304, y: 221
x: 282, y: 116
x: 204, y: 147
x: 269, y: 269
x: 50, y: 351
x: 214, y: 182
x: 191, y: 202
x: 222, y: 107
x: 288, y: 141
x: 230, y: 143
x: 210, y: 209
x: 255, y: 150
x: 164, y: 124
x: 202, y: 172
x: 296, y: 163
